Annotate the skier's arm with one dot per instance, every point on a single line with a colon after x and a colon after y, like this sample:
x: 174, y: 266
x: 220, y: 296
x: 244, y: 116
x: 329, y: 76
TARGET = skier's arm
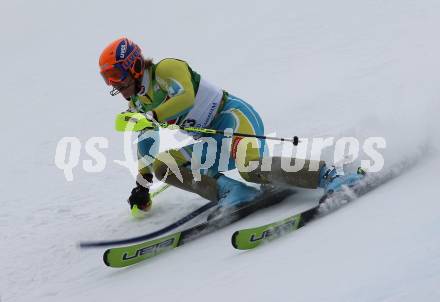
x: 174, y: 77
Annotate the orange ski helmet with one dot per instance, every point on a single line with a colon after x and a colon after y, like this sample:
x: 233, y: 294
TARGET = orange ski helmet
x: 120, y: 58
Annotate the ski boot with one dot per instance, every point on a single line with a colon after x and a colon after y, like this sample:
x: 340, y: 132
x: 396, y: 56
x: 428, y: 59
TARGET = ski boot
x: 234, y: 193
x: 334, y: 179
x: 140, y: 200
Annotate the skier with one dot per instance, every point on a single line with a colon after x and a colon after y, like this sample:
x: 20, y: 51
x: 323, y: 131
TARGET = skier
x: 171, y: 91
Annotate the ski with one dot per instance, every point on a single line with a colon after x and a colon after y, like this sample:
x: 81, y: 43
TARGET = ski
x: 160, y: 232
x: 132, y: 254
x: 247, y: 239
x: 250, y: 238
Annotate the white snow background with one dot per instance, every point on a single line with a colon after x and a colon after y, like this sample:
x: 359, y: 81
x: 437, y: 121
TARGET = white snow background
x: 311, y: 68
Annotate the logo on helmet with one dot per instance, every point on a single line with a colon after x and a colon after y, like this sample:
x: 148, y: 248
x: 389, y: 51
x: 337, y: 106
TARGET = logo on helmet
x: 123, y: 50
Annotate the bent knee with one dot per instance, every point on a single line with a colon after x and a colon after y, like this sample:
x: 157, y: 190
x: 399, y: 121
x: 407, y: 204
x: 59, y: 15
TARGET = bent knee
x: 159, y: 169
x: 166, y: 162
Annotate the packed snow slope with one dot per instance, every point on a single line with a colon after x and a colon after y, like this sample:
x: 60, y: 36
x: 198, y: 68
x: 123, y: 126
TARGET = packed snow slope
x: 311, y: 68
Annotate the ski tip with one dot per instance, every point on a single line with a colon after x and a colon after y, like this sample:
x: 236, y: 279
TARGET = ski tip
x: 84, y: 245
x: 105, y: 258
x: 234, y: 239
x: 93, y: 244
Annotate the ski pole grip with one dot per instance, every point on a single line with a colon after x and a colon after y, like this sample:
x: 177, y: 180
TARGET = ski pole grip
x: 295, y: 140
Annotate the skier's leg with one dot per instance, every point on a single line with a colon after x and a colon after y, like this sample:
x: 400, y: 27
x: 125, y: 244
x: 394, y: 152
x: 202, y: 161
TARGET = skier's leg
x: 239, y: 117
x: 242, y: 118
x: 312, y: 175
x: 173, y: 167
x: 278, y: 170
x: 213, y: 185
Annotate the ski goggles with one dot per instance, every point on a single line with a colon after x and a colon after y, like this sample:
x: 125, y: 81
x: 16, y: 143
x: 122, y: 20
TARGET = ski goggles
x: 114, y: 74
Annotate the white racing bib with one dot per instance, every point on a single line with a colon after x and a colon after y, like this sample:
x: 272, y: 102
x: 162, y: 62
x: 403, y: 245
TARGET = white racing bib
x: 208, y: 99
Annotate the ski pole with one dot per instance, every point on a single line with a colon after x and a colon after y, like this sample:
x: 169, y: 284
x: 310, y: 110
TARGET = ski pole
x: 294, y: 140
x: 135, y: 121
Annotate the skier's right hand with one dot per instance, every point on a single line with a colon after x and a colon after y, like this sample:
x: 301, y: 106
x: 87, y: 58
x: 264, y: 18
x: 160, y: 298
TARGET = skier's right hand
x: 140, y: 196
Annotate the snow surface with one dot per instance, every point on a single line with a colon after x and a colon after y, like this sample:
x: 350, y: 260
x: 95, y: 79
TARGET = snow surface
x: 311, y: 68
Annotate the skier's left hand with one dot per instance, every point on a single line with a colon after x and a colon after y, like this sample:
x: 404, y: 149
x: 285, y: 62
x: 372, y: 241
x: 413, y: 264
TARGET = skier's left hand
x: 134, y: 121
